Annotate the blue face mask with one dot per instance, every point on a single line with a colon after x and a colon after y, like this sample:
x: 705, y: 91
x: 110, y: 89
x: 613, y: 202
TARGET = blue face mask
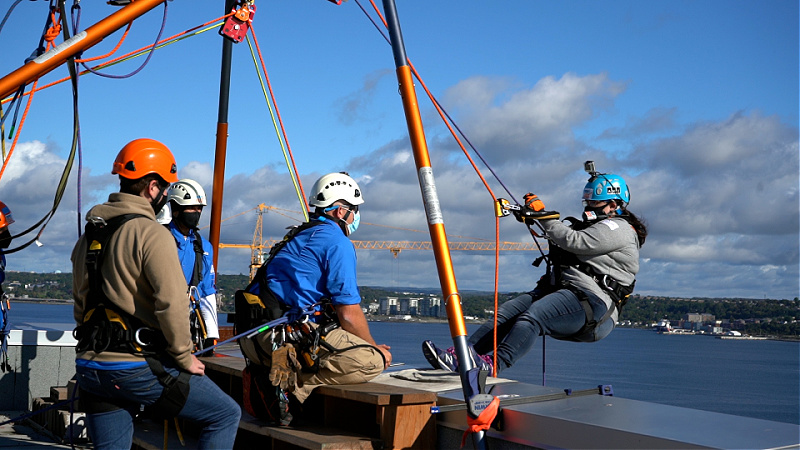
x: 352, y: 227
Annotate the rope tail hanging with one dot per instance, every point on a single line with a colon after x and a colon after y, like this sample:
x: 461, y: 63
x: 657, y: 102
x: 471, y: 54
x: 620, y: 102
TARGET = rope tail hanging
x: 53, y: 29
x: 287, y: 150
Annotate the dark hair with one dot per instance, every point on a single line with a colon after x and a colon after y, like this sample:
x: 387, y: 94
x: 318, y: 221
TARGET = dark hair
x: 639, y: 225
x: 135, y: 187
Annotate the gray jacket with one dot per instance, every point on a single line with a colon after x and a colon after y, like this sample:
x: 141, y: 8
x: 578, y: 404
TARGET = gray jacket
x: 610, y: 247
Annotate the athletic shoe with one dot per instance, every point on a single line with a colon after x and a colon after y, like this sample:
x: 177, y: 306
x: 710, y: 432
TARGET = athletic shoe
x: 483, y: 361
x: 446, y: 359
x: 438, y: 358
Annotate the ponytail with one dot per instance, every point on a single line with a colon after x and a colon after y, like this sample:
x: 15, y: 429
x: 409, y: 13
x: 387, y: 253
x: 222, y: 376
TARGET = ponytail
x: 638, y: 225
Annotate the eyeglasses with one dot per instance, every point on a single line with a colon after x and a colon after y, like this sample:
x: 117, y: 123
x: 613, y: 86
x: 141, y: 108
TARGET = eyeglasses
x: 353, y: 208
x: 596, y: 203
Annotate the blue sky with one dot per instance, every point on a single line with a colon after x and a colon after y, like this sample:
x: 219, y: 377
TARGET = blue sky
x: 695, y: 103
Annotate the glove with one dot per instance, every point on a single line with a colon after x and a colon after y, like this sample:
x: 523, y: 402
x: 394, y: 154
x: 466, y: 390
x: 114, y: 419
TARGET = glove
x: 528, y: 216
x: 285, y: 366
x: 532, y: 202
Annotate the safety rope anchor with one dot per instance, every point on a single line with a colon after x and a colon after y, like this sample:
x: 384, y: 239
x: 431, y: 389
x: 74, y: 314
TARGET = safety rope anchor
x: 236, y: 26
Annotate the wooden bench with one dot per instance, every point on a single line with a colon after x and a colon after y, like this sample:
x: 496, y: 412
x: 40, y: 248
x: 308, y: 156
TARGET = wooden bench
x: 348, y: 415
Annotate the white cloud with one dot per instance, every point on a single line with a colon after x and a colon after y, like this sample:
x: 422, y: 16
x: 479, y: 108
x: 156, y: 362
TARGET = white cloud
x: 720, y: 197
x: 541, y: 118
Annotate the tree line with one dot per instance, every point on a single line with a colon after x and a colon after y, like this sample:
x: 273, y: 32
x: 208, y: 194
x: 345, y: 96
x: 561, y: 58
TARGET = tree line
x: 763, y: 316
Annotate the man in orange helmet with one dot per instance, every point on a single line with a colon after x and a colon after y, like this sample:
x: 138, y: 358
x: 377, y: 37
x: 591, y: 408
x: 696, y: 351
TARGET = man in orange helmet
x: 134, y: 346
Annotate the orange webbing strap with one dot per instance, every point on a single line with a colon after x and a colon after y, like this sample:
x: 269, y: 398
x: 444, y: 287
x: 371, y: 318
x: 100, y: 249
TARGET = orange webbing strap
x: 483, y: 421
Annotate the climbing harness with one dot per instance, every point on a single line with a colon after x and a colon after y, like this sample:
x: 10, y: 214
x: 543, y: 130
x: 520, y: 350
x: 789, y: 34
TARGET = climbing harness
x: 105, y: 327
x: 558, y: 260
x: 256, y: 305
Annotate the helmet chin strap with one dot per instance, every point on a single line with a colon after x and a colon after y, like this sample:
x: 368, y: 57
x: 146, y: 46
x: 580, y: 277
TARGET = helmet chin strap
x: 341, y: 222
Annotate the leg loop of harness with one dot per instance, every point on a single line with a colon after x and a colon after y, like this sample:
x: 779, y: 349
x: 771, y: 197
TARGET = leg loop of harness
x: 175, y: 394
x: 95, y: 404
x: 586, y: 333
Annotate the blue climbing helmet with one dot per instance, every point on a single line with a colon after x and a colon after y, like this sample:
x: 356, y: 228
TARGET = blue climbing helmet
x: 607, y: 186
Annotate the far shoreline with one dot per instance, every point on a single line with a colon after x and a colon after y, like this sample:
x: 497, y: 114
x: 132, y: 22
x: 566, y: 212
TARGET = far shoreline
x: 389, y: 319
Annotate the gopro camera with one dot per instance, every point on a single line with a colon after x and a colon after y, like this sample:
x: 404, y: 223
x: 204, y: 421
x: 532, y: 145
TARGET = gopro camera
x: 588, y: 166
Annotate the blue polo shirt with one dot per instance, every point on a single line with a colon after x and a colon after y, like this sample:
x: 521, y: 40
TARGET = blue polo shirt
x: 319, y: 262
x: 186, y: 254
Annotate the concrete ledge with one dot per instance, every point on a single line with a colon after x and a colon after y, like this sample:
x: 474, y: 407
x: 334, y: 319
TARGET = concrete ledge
x: 48, y: 338
x: 596, y: 421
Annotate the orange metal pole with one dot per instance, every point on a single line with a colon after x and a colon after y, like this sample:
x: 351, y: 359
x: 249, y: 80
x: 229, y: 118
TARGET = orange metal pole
x: 441, y: 249
x: 217, y: 189
x: 74, y: 45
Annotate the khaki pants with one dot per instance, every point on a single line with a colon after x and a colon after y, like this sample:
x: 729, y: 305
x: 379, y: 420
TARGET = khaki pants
x: 357, y: 365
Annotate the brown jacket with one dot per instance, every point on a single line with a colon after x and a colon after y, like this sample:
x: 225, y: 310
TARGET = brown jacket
x: 141, y: 274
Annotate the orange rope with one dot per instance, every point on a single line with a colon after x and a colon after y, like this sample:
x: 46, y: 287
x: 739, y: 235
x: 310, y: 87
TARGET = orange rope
x: 50, y: 36
x: 477, y: 170
x: 55, y: 29
x: 19, y: 131
x: 277, y: 113
x: 483, y: 421
x: 121, y: 40
x: 100, y: 66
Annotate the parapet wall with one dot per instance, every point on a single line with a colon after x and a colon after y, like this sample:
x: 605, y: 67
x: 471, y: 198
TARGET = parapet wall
x: 39, y: 360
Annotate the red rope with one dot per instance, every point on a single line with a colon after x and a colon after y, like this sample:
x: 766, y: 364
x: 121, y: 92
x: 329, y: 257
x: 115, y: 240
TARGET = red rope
x: 280, y: 120
x: 485, y: 183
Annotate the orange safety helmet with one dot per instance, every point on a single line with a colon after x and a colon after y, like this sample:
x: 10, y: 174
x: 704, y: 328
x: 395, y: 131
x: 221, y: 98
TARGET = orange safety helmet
x: 143, y: 156
x: 5, y: 216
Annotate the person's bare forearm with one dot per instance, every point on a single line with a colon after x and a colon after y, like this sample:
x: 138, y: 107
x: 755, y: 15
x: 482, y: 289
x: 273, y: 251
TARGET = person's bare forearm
x: 352, y: 320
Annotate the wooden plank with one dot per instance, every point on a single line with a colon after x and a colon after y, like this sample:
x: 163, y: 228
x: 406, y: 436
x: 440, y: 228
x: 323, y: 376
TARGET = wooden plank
x: 377, y: 393
x: 408, y: 426
x: 229, y: 365
x: 370, y: 392
x: 316, y: 438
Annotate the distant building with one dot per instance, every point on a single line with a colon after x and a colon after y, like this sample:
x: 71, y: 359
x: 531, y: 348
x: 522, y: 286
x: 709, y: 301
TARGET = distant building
x: 430, y: 306
x: 699, y: 318
x: 388, y: 306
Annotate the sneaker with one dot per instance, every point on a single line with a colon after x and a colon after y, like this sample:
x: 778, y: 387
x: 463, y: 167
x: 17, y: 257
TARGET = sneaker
x: 483, y: 361
x: 446, y: 359
x: 438, y: 358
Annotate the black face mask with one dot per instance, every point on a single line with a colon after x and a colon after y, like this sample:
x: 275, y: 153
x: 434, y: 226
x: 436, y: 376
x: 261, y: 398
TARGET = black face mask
x: 5, y: 238
x: 189, y: 219
x: 162, y: 200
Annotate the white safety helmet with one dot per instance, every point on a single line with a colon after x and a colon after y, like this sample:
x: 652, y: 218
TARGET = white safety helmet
x: 335, y: 186
x: 187, y: 192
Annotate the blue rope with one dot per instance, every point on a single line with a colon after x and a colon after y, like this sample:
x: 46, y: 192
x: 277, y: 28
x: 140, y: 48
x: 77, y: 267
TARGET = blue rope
x: 149, y: 53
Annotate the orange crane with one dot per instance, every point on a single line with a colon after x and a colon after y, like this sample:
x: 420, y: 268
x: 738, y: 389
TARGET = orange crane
x: 259, y: 246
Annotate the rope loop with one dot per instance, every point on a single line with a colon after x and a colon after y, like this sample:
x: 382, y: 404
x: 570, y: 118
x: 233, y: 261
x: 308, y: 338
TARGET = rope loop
x: 483, y: 421
x: 55, y: 29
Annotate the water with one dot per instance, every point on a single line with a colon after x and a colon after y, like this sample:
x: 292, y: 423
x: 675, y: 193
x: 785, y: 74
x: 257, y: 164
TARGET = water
x: 39, y: 316
x: 758, y: 379
x: 746, y: 378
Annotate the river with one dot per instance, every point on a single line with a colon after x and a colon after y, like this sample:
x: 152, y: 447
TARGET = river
x: 758, y: 379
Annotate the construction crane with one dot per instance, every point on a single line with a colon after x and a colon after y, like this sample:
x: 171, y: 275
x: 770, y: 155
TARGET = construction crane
x: 259, y: 245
